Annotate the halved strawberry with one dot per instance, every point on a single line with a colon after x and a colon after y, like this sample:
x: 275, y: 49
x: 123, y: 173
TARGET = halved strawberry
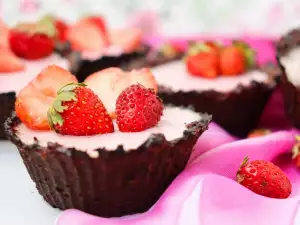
x: 34, y: 100
x: 99, y: 21
x: 4, y: 33
x: 86, y: 35
x: 129, y: 39
x: 109, y: 83
x: 9, y: 62
x: 144, y: 77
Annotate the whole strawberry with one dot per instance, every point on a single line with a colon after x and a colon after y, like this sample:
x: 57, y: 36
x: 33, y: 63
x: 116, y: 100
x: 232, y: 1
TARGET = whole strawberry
x: 236, y: 59
x: 138, y: 109
x: 78, y: 111
x: 33, y: 41
x: 264, y: 178
x: 203, y: 60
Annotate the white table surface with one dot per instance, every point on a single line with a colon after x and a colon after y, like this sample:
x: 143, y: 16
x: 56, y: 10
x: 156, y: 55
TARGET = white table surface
x: 20, y: 203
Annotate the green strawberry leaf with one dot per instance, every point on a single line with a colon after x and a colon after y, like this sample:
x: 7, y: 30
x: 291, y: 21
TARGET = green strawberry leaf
x: 249, y: 53
x: 46, y: 25
x: 64, y: 94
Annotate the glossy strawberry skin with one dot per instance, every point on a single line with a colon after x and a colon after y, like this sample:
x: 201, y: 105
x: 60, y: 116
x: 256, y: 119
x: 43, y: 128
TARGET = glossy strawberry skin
x: 204, y: 64
x: 61, y: 28
x: 232, y: 61
x: 264, y: 178
x: 30, y: 46
x: 85, y: 116
x: 138, y: 109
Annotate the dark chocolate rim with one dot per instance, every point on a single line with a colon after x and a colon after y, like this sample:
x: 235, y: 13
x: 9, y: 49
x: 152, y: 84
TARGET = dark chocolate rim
x: 193, y: 128
x: 7, y: 100
x: 288, y: 42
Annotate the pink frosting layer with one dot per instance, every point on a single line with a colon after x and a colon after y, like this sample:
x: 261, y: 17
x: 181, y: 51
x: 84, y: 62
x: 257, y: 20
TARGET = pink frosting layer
x: 175, y: 75
x: 14, y: 82
x: 169, y: 126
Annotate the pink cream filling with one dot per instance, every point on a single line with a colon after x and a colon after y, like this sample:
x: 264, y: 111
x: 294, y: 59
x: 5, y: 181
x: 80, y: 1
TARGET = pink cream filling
x: 172, y: 125
x: 14, y: 82
x: 175, y: 76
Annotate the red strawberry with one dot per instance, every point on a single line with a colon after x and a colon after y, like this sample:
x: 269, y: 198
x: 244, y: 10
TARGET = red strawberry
x: 138, y: 109
x: 34, y: 100
x: 203, y: 59
x: 264, y: 178
x: 61, y: 28
x: 109, y: 83
x: 78, y: 111
x: 204, y: 64
x: 232, y: 61
x: 9, y: 62
x: 236, y: 58
x: 86, y: 35
x: 258, y: 133
x: 32, y: 41
x: 128, y: 39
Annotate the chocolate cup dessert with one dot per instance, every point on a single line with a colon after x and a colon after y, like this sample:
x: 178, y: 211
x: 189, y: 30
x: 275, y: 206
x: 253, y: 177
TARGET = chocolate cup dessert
x: 114, y: 182
x: 288, y: 57
x: 7, y: 99
x: 238, y: 111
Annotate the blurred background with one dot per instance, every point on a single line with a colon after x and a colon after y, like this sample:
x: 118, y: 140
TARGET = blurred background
x: 170, y: 17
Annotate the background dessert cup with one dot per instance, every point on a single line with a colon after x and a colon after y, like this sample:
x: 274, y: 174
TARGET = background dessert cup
x: 235, y: 102
x: 288, y: 52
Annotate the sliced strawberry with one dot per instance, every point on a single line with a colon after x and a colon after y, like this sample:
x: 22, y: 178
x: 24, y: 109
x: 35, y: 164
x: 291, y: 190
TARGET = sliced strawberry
x: 144, y: 77
x: 86, y: 36
x: 103, y: 83
x: 4, y: 34
x: 99, y: 21
x: 9, y: 62
x: 128, y: 39
x: 34, y: 100
x: 109, y: 83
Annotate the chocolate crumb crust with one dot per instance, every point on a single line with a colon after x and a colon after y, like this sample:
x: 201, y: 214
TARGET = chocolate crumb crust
x: 288, y: 42
x: 291, y: 93
x: 86, y: 67
x: 237, y: 111
x: 116, y: 183
x: 7, y: 101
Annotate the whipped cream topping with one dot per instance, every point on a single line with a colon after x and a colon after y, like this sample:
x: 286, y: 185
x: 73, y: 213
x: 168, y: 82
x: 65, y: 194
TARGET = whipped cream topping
x: 113, y: 51
x: 172, y: 125
x: 291, y: 63
x: 14, y: 82
x: 175, y: 76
